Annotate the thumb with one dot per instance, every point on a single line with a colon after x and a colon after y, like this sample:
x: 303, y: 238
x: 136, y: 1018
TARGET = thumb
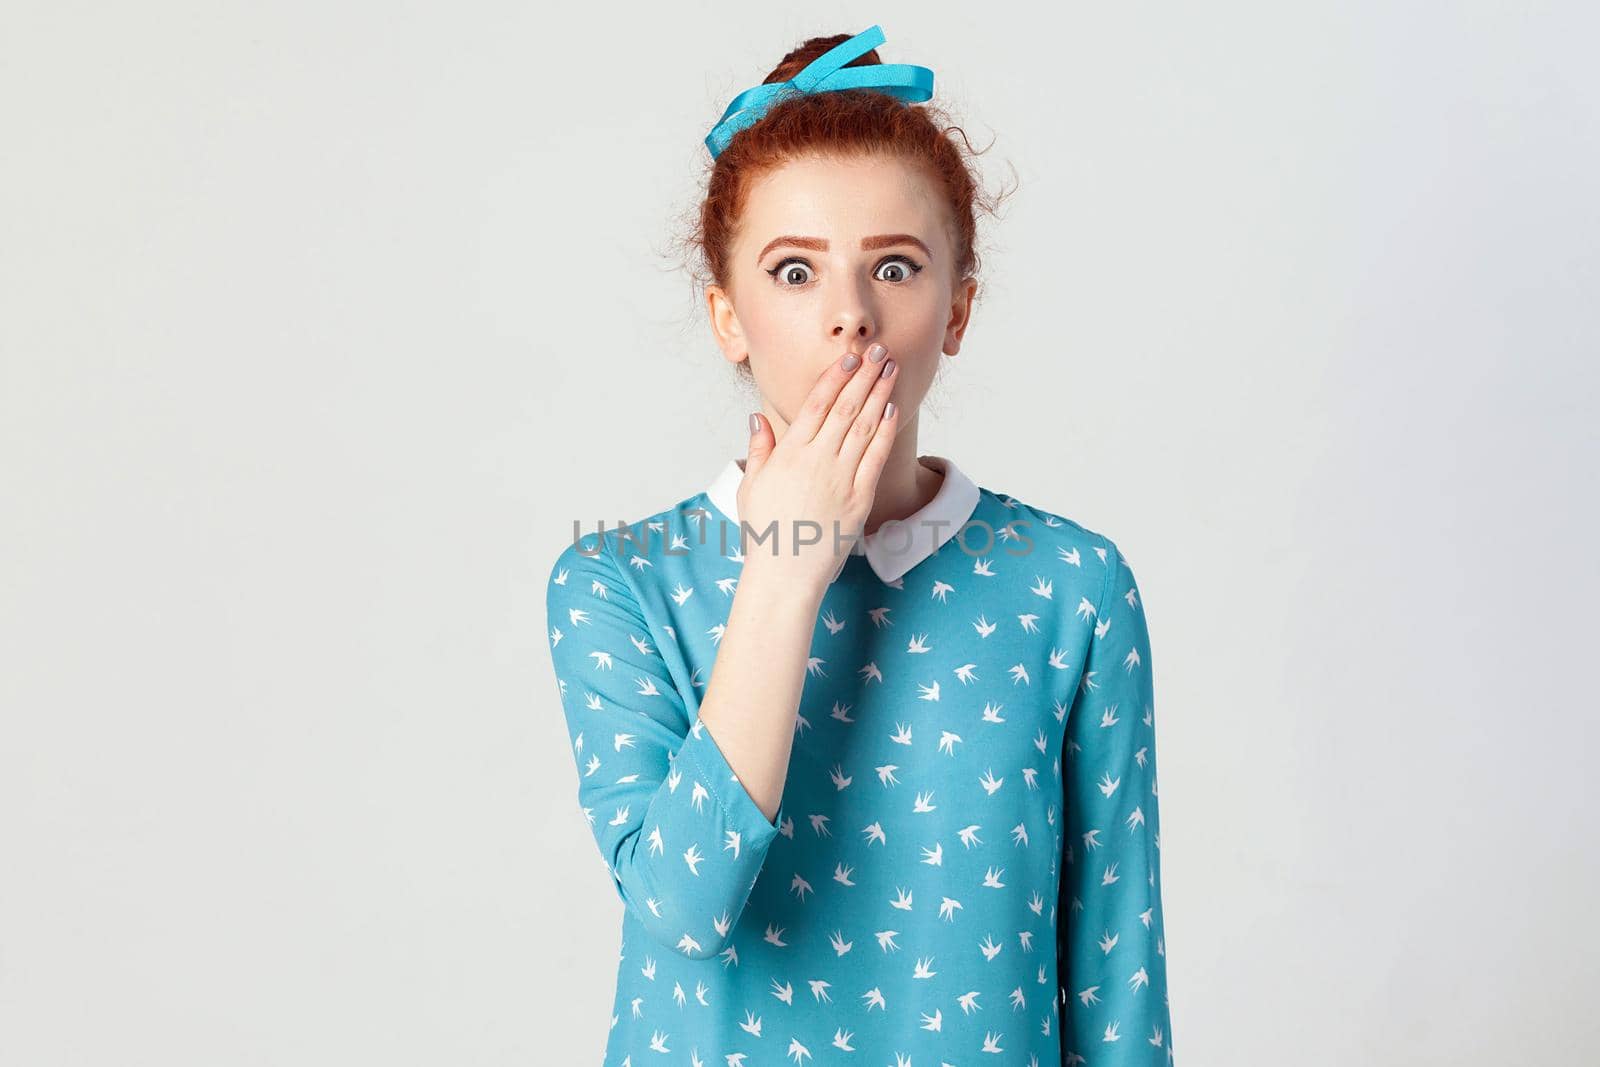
x: 762, y: 442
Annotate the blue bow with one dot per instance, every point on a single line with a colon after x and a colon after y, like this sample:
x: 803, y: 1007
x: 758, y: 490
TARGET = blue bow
x: 826, y: 73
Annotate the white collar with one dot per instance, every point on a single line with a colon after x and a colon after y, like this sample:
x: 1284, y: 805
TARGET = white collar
x: 897, y: 545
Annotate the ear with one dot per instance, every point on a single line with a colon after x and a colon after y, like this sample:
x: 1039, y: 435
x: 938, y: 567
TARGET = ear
x: 725, y: 325
x: 960, y: 316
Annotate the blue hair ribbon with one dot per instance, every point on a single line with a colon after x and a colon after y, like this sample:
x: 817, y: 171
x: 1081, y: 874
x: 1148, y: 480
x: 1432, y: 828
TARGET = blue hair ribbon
x: 826, y: 73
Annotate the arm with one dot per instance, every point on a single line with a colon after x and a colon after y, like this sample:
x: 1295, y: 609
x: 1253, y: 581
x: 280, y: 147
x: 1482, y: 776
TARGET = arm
x: 684, y: 840
x: 1111, y: 947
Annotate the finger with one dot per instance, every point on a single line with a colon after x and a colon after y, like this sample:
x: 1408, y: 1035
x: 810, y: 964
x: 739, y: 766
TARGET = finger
x: 877, y: 451
x: 865, y: 424
x: 820, y: 400
x: 850, y: 402
x: 761, y: 443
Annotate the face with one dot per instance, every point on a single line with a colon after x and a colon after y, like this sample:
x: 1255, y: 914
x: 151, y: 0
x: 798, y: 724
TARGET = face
x: 812, y: 277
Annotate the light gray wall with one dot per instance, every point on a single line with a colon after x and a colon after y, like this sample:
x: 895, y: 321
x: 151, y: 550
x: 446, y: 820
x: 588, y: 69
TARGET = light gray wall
x: 320, y: 323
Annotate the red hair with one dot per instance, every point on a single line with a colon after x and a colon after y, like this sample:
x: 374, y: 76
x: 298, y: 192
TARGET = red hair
x: 839, y: 123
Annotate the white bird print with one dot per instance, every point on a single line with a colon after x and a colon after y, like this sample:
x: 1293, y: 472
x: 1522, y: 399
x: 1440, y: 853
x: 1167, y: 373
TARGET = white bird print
x: 561, y: 577
x: 948, y: 908
x: 1087, y: 996
x: 1107, y: 784
x: 1018, y: 1001
x: 902, y: 734
x: 732, y: 843
x: 918, y: 644
x: 622, y: 816
x: 1155, y: 1036
x: 991, y: 713
x: 841, y: 1040
x: 984, y: 626
x: 678, y: 995
x: 948, y: 740
x: 621, y: 741
x: 880, y: 617
x: 774, y: 936
x: 833, y: 624
x: 1102, y: 628
x: 1071, y: 557
x: 1138, y: 757
x: 840, y: 945
x: 716, y: 632
x: 1135, y: 819
x: 727, y: 585
x: 1036, y: 903
x: 1039, y: 742
x: 1131, y: 661
x: 642, y: 644
x: 1146, y: 916
x: 1111, y: 1032
x: 1042, y: 587
x: 941, y: 590
x: 602, y: 660
x: 798, y: 1051
x: 871, y: 673
x: 841, y: 874
x: 1025, y: 939
x: 1085, y: 609
x: 983, y: 567
x: 658, y: 1042
x: 886, y: 940
x: 969, y: 835
x: 1108, y: 941
x: 784, y: 991
x: 990, y: 783
x: 875, y: 832
x: 967, y: 672
x: 1091, y: 840
x: 902, y: 899
x: 1029, y: 623
x: 924, y: 968
x: 1108, y: 716
x: 688, y: 944
x: 923, y: 803
x: 682, y: 593
x: 969, y: 1002
x: 1110, y: 875
x: 698, y: 795
x: 991, y: 878
x: 841, y: 712
x: 991, y: 1042
x: 1139, y: 980
x: 1029, y: 774
x: 989, y: 947
x: 886, y: 774
x: 751, y: 1024
x: 934, y: 857
x: 1058, y: 659
x: 693, y: 858
x: 722, y: 922
x: 1019, y: 675
x: 819, y: 825
x: 819, y: 990
x: 649, y: 969
x: 800, y: 887
x: 578, y: 616
x: 647, y: 687
x: 814, y: 667
x: 934, y: 1021
x: 840, y: 780
x: 874, y: 999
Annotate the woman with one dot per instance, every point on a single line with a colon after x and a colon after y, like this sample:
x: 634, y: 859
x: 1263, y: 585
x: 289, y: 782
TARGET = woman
x: 868, y: 749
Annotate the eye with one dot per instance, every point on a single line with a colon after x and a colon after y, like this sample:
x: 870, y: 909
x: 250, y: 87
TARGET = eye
x: 791, y: 273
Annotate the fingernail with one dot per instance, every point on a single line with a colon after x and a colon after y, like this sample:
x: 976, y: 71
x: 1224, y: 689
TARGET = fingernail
x: 888, y: 409
x: 888, y: 369
x: 852, y: 361
x: 755, y: 423
x: 876, y: 352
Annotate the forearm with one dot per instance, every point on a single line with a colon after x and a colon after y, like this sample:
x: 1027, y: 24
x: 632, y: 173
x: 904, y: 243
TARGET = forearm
x: 753, y: 695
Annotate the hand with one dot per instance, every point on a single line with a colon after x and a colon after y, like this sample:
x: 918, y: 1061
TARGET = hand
x: 824, y: 471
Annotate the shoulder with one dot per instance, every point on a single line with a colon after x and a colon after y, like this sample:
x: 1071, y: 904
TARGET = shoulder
x: 1052, y: 530
x: 599, y: 550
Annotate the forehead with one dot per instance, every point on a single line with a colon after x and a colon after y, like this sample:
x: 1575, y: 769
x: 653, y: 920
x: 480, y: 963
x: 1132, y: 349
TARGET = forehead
x: 842, y: 199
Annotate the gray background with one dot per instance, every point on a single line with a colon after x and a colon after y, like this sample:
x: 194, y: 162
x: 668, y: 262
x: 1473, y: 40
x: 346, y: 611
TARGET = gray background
x: 320, y: 324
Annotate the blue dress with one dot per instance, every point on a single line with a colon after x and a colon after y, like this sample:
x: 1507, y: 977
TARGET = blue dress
x: 965, y: 865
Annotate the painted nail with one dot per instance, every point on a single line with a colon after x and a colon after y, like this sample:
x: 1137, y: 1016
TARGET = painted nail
x: 888, y: 369
x: 876, y: 352
x: 852, y: 361
x: 888, y: 409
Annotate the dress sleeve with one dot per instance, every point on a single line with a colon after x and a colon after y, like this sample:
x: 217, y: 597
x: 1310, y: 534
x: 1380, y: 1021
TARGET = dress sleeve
x: 683, y: 839
x: 1111, y: 941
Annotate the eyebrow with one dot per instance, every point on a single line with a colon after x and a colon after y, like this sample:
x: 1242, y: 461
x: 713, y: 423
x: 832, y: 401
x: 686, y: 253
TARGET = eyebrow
x: 882, y: 240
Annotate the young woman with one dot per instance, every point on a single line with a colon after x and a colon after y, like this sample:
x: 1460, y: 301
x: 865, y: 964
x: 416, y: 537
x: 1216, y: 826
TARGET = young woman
x: 868, y: 749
